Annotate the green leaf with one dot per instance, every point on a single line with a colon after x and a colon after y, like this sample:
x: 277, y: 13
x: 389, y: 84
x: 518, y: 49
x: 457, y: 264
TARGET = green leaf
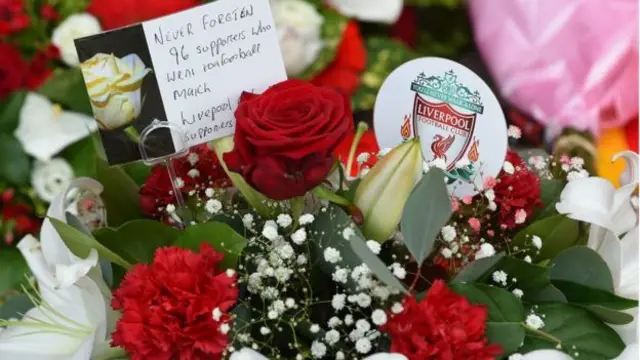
x: 505, y: 313
x: 138, y: 171
x: 120, y: 194
x: 429, y: 3
x: 557, y: 234
x: 81, y: 244
x: 477, y: 269
x: 583, y: 294
x: 241, y: 322
x: 137, y: 241
x: 607, y: 315
x: 550, y: 190
x: 67, y: 87
x: 383, y: 56
x: 548, y: 294
x: 578, y: 332
x: 582, y: 265
x: 426, y: 211
x: 374, y: 263
x: 219, y: 235
x: 12, y: 270
x: 69, y: 7
x: 14, y: 162
x: 82, y: 158
x: 10, y: 111
x: 15, y: 306
x: 331, y: 33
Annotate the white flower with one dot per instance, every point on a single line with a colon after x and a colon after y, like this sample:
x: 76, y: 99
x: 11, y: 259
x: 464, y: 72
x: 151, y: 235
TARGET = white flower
x: 301, y: 259
x: 577, y: 175
x: 306, y: 219
x: 193, y: 173
x: 318, y: 349
x: 486, y: 250
x: 270, y: 232
x: 45, y: 129
x: 338, y: 301
x: 314, y: 328
x: 493, y: 206
x: 448, y: 233
x: 284, y: 220
x: 490, y: 195
x: 224, y: 328
x: 272, y: 314
x: 379, y: 317
x: 508, y: 167
x: 547, y: 354
x: 298, y: 24
x: 363, y: 300
x: 170, y: 208
x: 73, y: 27
x: 499, y: 277
x: 446, y: 253
x: 332, y: 255
x: 397, y: 308
x: 347, y: 233
x: 334, y: 322
x: 340, y: 276
x: 517, y: 292
x: 534, y: 321
x: 193, y: 158
x: 216, y: 314
x: 527, y: 259
x: 363, y: 325
x: 536, y: 241
x: 577, y: 162
x: 50, y: 178
x: 363, y: 345
x: 398, y: 271
x: 521, y: 216
x: 213, y: 206
x: 247, y: 221
x: 299, y: 237
x: 348, y: 319
x: 384, y: 11
x: 363, y: 157
x: 265, y: 330
x: 374, y: 246
x: 286, y: 251
x: 514, y: 132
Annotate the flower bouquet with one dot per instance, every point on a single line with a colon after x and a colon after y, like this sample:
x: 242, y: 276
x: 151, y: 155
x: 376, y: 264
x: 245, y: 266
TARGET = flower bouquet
x: 299, y: 239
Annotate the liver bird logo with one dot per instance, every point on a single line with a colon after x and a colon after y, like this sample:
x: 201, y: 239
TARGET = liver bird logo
x: 440, y: 146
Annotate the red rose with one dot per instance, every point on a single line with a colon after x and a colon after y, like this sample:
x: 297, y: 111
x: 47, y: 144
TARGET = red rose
x: 166, y: 306
x: 520, y: 190
x: 13, y: 70
x: 128, y: 12
x: 285, y: 137
x: 13, y: 18
x: 443, y: 325
x: 344, y: 71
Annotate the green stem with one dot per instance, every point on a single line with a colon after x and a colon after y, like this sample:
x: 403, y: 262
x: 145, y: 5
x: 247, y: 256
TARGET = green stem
x: 325, y: 194
x: 111, y: 353
x: 541, y: 333
x: 297, y: 206
x: 132, y: 134
x: 362, y: 127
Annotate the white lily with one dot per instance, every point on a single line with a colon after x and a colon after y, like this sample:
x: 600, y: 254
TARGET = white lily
x: 384, y: 11
x: 613, y: 213
x: 72, y: 317
x: 45, y: 129
x: 248, y: 354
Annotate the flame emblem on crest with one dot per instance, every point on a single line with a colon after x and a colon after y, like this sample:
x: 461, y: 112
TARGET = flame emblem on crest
x: 473, y: 154
x: 405, y: 130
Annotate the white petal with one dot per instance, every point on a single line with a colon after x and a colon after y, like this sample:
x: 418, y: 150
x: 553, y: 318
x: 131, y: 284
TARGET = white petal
x: 546, y: 355
x: 32, y: 253
x: 593, y: 208
x: 623, y: 214
x: 630, y: 174
x: 385, y: 11
x: 386, y: 356
x: 630, y: 263
x: 247, y: 354
x: 630, y: 353
x: 67, y: 275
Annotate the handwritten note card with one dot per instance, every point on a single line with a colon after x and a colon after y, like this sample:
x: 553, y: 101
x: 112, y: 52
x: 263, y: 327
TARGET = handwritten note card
x: 203, y: 59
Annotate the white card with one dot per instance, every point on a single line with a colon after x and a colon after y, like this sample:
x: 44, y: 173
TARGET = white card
x: 454, y: 113
x: 205, y: 57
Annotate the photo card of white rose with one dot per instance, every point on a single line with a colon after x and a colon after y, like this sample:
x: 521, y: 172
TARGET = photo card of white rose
x: 124, y: 94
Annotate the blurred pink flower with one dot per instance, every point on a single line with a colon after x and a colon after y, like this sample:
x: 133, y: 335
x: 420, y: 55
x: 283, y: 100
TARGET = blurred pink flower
x: 475, y: 224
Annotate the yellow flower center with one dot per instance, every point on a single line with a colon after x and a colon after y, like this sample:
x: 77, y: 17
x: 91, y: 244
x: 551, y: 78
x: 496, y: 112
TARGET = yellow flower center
x: 57, y: 111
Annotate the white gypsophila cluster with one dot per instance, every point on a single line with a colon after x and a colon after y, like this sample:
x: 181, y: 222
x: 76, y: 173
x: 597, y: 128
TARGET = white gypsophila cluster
x: 278, y: 273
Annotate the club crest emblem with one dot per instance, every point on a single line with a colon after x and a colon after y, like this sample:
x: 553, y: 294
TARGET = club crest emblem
x: 453, y: 112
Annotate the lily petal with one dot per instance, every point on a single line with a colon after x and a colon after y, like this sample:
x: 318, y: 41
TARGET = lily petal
x: 384, y: 11
x: 247, y: 354
x: 631, y: 352
x: 386, y: 356
x: 68, y: 275
x: 630, y: 174
x: 546, y: 355
x: 629, y: 265
x: 594, y: 208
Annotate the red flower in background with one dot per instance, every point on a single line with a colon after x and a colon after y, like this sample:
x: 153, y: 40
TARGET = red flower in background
x: 18, y: 219
x: 520, y: 190
x: 39, y: 69
x: 49, y: 13
x: 366, y: 154
x: 443, y: 325
x: 199, y: 170
x: 406, y: 27
x: 13, y: 70
x: 127, y: 12
x: 12, y: 17
x: 344, y: 71
x: 167, y: 306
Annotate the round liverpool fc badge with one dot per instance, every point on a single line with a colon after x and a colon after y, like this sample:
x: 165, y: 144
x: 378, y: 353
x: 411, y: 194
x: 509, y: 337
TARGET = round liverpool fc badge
x: 453, y: 112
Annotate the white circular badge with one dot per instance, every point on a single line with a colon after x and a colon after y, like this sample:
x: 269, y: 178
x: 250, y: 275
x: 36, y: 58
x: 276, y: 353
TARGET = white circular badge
x: 452, y: 111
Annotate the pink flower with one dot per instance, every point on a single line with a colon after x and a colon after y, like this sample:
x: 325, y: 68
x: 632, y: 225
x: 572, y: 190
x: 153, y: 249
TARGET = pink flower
x: 489, y: 182
x: 565, y: 159
x: 454, y: 204
x: 521, y: 216
x: 467, y: 200
x: 475, y: 224
x: 490, y: 233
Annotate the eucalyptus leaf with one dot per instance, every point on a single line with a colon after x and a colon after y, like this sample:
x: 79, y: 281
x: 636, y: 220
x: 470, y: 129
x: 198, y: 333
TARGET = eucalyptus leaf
x: 219, y: 235
x: 374, y: 263
x: 15, y: 306
x: 548, y: 294
x: 136, y: 241
x: 550, y: 190
x: 478, y: 268
x: 10, y: 108
x: 120, y: 195
x: 583, y: 294
x: 67, y: 87
x: 577, y: 330
x: 81, y: 244
x: 81, y: 156
x: 425, y: 212
x: 557, y: 233
x: 505, y: 313
x: 15, y: 166
x: 582, y: 265
x: 608, y: 315
x: 13, y: 269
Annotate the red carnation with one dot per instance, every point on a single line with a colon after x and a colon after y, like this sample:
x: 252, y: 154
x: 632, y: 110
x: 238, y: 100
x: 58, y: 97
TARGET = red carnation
x: 167, y: 306
x: 128, y: 12
x: 443, y: 325
x: 344, y: 71
x: 13, y: 18
x: 49, y: 12
x: 13, y: 70
x: 199, y: 170
x: 40, y: 66
x: 520, y: 190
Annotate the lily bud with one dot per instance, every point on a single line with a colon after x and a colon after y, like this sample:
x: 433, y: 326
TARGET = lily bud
x: 382, y: 193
